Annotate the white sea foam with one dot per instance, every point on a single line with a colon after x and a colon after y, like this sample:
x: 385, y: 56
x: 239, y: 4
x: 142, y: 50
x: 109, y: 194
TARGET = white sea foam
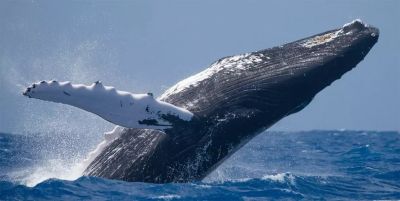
x: 59, y: 169
x: 280, y: 177
x: 62, y: 168
x: 168, y: 197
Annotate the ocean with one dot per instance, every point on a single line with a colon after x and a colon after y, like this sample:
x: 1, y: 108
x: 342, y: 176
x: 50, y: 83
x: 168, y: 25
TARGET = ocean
x: 307, y: 165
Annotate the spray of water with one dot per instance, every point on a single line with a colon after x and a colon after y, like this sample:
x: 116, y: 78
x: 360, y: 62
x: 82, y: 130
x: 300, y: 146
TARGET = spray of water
x: 73, y: 133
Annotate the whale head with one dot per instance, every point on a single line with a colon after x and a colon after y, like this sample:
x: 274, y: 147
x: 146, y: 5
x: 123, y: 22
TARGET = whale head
x: 327, y: 56
x: 274, y: 82
x: 303, y: 68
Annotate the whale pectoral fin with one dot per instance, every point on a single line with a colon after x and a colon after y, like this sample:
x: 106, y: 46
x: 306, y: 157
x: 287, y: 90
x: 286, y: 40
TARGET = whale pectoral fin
x: 118, y: 107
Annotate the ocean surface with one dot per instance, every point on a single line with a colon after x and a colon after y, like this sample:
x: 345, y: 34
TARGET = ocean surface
x: 312, y: 165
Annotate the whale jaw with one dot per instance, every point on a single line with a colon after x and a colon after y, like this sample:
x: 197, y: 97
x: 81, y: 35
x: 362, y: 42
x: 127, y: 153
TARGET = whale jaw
x: 233, y: 100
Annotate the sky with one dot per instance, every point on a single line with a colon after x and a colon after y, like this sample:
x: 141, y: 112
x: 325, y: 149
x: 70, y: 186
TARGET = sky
x: 147, y: 46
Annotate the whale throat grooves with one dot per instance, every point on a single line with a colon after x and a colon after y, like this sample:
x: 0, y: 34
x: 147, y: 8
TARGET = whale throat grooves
x: 232, y: 101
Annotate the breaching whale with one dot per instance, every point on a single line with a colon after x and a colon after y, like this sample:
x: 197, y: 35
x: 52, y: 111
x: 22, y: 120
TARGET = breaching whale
x: 230, y: 102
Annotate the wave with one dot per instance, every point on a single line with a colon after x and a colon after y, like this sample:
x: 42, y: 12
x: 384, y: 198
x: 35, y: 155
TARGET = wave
x: 282, y: 186
x: 92, y: 188
x: 331, y: 165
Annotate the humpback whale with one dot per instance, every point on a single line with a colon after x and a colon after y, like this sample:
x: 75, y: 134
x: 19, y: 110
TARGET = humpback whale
x: 230, y: 102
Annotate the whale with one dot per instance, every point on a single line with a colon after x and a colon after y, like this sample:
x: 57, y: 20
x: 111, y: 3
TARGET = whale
x: 230, y: 102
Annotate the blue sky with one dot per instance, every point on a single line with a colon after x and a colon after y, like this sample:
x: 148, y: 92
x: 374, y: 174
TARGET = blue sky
x: 142, y: 46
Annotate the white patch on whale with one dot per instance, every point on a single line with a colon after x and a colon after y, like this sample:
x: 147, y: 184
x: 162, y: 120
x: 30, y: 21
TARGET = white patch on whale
x: 321, y: 39
x: 236, y: 64
x: 118, y: 107
x: 326, y: 38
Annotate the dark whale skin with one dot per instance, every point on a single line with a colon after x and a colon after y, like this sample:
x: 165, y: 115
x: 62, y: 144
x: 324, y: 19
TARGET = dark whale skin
x: 238, y: 98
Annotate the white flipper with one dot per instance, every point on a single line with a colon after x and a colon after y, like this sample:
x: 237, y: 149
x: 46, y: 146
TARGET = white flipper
x: 119, y: 107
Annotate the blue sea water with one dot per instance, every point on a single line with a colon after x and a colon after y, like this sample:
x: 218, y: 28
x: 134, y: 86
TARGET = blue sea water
x: 313, y: 165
